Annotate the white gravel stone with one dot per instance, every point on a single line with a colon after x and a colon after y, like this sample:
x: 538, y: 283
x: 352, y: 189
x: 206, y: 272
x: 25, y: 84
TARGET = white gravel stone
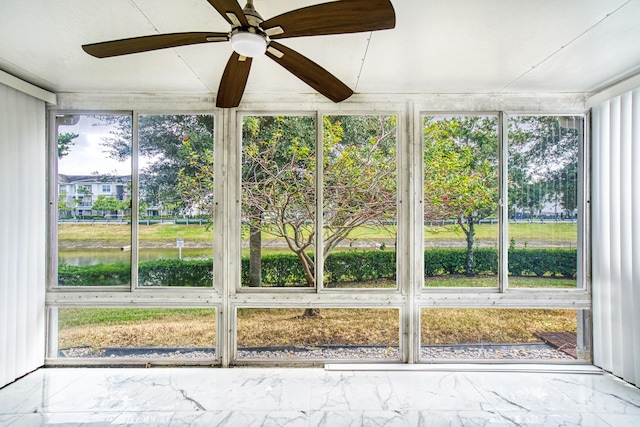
x: 533, y: 352
x: 519, y: 352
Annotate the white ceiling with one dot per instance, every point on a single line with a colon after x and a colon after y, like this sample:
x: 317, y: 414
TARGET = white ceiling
x: 438, y: 46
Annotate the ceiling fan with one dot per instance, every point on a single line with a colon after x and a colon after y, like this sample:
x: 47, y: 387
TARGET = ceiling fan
x: 251, y: 36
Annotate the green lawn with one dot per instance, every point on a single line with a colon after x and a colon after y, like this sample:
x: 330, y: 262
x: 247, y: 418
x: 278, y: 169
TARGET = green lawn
x: 161, y: 233
x: 521, y: 233
x: 69, y: 317
x: 491, y: 281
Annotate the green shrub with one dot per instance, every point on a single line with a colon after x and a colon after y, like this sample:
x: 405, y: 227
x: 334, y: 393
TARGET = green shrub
x: 150, y: 273
x: 360, y: 266
x: 94, y: 275
x: 541, y: 262
x: 174, y: 272
x: 277, y: 270
x: 286, y: 270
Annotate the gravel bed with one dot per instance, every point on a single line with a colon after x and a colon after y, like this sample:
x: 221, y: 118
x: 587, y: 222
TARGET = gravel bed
x: 350, y: 353
x: 522, y: 352
x: 514, y: 352
x: 138, y: 353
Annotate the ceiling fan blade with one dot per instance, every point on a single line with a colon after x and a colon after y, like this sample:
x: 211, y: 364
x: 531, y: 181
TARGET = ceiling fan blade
x: 339, y: 17
x: 231, y: 11
x: 309, y: 72
x: 233, y: 82
x: 147, y: 43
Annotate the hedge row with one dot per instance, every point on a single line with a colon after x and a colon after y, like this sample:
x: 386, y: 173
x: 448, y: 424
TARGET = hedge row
x: 286, y: 270
x: 522, y: 262
x: 168, y: 272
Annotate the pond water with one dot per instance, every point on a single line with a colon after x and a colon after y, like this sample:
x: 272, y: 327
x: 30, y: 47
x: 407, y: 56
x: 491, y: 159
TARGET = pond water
x: 112, y: 256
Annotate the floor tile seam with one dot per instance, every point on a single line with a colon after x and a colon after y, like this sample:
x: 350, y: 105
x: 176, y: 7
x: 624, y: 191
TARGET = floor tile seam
x: 506, y: 415
x: 603, y: 420
x: 19, y: 420
x: 409, y: 410
x: 559, y: 412
x: 50, y: 396
x: 80, y: 411
x: 14, y: 422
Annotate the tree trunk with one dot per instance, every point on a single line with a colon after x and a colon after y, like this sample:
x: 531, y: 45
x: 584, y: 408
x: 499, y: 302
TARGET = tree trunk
x: 311, y: 312
x: 308, y: 266
x: 309, y: 271
x: 255, y: 256
x: 470, y: 267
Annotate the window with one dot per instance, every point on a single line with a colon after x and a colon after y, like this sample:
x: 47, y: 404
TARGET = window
x: 278, y: 201
x: 339, y: 236
x: 175, y: 200
x: 358, y: 190
x: 90, y: 250
x: 460, y: 201
x: 343, y: 334
x: 174, y: 204
x: 359, y: 201
x: 135, y: 334
x: 543, y: 165
x: 467, y: 334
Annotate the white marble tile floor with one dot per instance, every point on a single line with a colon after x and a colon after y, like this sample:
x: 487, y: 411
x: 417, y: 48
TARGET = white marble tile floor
x: 315, y: 397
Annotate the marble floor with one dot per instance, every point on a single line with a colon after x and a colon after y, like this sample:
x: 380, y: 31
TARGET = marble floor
x: 335, y: 396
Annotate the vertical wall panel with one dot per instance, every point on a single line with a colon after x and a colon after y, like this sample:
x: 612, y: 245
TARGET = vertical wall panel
x: 22, y: 233
x: 614, y: 231
x: 626, y: 356
x: 7, y: 153
x: 601, y: 239
x: 596, y: 225
x: 635, y: 233
x: 616, y: 235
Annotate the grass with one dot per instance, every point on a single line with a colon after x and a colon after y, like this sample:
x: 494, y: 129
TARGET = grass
x: 495, y: 326
x: 491, y: 281
x: 136, y: 327
x: 286, y: 327
x: 156, y: 232
x: 521, y: 233
x: 142, y: 327
x: 70, y: 317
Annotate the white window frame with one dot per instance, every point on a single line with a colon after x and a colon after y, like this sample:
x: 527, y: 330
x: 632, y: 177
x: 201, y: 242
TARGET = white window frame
x: 227, y: 297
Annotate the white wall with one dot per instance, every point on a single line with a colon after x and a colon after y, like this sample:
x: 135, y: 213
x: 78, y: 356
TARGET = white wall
x: 615, y: 182
x: 22, y: 233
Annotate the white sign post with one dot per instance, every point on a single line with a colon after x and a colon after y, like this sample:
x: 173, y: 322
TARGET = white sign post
x: 180, y: 244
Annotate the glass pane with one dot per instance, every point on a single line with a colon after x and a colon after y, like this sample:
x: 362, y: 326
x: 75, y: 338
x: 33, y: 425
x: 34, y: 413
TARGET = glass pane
x: 175, y: 233
x: 543, y: 201
x: 332, y: 333
x: 137, y: 333
x: 359, y: 201
x: 278, y: 201
x: 461, y: 201
x: 94, y: 197
x: 514, y: 334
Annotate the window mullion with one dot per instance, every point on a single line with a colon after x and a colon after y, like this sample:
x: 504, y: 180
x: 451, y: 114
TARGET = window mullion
x: 134, y: 200
x: 503, y: 209
x: 319, y: 252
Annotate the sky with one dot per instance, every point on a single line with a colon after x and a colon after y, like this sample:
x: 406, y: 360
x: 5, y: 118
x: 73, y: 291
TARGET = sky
x: 88, y: 154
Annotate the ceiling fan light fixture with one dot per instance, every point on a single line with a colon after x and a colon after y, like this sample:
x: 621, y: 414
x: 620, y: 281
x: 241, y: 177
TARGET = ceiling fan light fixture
x: 248, y: 44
